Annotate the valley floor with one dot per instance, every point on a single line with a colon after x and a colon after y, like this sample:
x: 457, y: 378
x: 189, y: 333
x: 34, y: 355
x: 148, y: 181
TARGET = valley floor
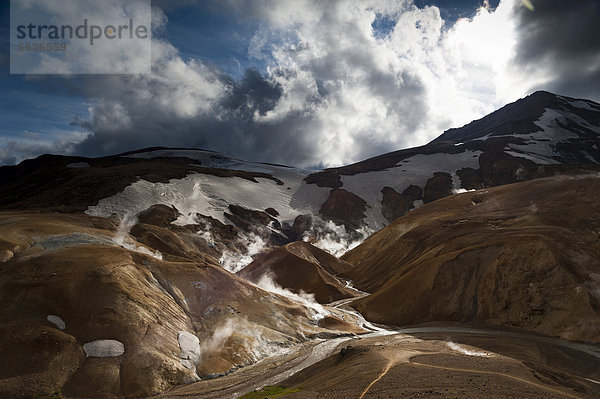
x: 443, y: 361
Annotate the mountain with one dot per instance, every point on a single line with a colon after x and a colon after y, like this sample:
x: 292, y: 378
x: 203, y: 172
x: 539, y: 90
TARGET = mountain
x: 537, y: 136
x: 128, y: 275
x: 523, y: 255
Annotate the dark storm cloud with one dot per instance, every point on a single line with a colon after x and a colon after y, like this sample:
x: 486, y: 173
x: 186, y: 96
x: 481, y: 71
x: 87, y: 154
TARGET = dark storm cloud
x: 252, y: 94
x: 229, y: 127
x: 564, y: 37
x: 322, y: 102
x: 168, y: 5
x: 330, y: 91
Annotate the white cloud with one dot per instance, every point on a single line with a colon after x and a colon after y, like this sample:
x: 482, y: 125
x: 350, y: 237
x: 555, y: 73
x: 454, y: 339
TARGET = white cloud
x: 388, y: 92
x: 31, y: 144
x: 338, y: 91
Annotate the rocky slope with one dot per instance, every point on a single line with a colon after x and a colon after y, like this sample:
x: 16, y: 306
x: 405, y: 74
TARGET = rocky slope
x: 302, y: 268
x: 90, y: 312
x: 533, y: 137
x: 524, y: 254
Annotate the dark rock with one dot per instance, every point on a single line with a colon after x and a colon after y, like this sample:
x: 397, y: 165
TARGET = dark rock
x: 394, y: 205
x: 344, y: 207
x: 243, y: 217
x: 302, y: 223
x: 272, y: 212
x: 439, y: 186
x: 325, y: 178
x: 470, y: 178
x: 158, y: 215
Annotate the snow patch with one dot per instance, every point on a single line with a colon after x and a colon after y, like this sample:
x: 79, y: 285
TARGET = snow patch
x: 189, y: 345
x: 539, y: 159
x: 57, y: 321
x: 461, y: 190
x: 211, y: 196
x: 103, y: 348
x: 415, y: 170
x: 581, y: 104
x: 539, y: 147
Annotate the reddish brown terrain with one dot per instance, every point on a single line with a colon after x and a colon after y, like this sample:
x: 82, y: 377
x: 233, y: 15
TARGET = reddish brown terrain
x: 441, y: 361
x: 524, y: 255
x: 301, y: 267
x: 65, y: 284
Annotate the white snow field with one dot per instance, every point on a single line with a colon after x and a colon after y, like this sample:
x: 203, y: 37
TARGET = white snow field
x: 206, y: 194
x: 211, y: 195
x: 414, y: 170
x: 540, y: 146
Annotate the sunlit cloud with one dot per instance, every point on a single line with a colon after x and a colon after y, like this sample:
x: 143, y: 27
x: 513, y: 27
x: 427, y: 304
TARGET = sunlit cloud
x: 337, y: 82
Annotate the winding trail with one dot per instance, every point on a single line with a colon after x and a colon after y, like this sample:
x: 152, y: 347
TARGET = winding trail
x: 268, y: 371
x: 384, y: 372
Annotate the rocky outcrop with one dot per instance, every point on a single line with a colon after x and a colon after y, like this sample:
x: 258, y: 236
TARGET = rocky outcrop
x: 394, y: 205
x: 325, y: 178
x: 261, y: 223
x: 344, y: 207
x: 302, y: 224
x: 158, y: 215
x: 439, y: 186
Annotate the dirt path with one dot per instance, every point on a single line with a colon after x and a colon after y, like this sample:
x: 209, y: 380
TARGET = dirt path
x: 395, y: 358
x: 273, y: 370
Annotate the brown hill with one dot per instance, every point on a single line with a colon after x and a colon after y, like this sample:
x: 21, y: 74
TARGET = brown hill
x: 300, y: 266
x: 85, y: 317
x: 525, y: 254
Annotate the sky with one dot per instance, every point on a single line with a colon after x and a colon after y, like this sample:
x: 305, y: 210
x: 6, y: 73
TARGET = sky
x: 306, y: 83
